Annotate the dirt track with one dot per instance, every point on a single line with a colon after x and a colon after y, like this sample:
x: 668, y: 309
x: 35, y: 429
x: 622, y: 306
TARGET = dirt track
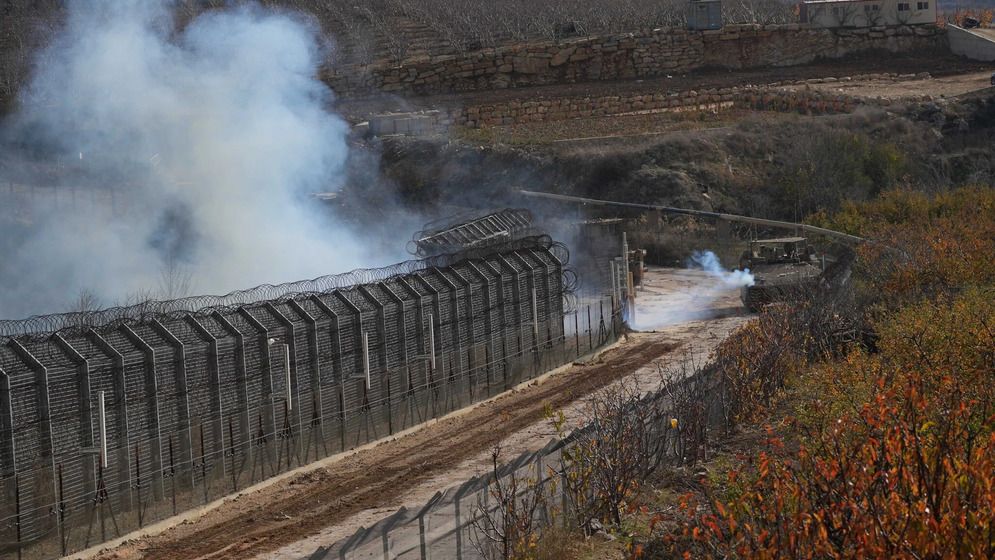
x: 944, y: 86
x: 288, y: 511
x: 382, y: 478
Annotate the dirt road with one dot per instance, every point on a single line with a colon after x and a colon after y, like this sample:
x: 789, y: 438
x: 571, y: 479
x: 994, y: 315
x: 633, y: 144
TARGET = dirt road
x: 943, y: 86
x: 293, y: 517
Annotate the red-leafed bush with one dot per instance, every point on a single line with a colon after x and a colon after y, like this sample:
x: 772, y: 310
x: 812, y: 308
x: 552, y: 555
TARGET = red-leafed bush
x: 891, y: 449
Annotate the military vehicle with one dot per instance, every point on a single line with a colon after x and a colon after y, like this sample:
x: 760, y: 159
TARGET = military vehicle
x: 782, y: 269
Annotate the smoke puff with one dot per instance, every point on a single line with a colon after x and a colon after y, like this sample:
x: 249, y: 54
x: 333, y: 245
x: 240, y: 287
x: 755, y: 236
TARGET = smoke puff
x: 211, y: 137
x: 654, y: 311
x: 709, y: 262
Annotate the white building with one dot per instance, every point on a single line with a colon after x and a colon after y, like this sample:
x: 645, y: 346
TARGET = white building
x: 866, y: 13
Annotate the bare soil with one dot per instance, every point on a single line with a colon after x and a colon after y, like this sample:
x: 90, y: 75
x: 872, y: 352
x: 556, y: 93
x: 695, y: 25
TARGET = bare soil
x: 321, y: 506
x: 942, y: 86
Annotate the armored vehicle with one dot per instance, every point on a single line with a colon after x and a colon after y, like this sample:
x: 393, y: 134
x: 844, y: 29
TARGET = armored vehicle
x: 782, y: 269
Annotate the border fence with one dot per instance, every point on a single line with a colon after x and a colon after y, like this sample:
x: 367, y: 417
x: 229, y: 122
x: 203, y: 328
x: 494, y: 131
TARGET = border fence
x: 113, y: 420
x: 449, y: 526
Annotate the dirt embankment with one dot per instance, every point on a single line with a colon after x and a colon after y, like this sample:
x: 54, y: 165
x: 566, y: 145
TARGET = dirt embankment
x: 320, y: 506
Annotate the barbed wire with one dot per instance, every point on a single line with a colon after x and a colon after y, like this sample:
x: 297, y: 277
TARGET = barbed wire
x: 468, y: 230
x: 41, y: 327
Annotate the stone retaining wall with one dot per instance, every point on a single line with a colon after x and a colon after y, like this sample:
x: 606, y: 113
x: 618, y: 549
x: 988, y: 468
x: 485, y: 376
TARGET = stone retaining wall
x: 519, y: 112
x: 785, y: 96
x: 778, y: 96
x: 643, y: 54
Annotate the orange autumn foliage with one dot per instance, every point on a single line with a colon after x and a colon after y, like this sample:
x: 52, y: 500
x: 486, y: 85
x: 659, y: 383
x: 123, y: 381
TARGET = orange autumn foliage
x: 754, y: 361
x: 908, y: 472
x: 983, y: 15
x: 921, y: 246
x: 892, y: 452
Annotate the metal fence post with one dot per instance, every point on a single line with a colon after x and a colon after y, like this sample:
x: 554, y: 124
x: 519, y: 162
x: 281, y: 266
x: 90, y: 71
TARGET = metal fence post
x: 577, y: 330
x: 293, y: 379
x: 518, y: 302
x: 421, y: 341
x: 457, y: 496
x: 386, y: 526
x: 452, y: 378
x: 533, y: 301
x: 337, y: 367
x: 471, y: 335
x: 502, y: 328
x: 384, y: 367
x: 357, y: 364
x: 351, y: 542
x: 590, y: 330
x: 214, y: 382
x: 267, y: 424
x: 11, y: 505
x: 614, y: 282
x: 551, y: 308
x: 182, y: 397
x: 244, y: 421
x: 402, y: 333
x: 459, y: 529
x: 437, y: 314
x: 315, y: 386
x: 488, y: 323
x: 45, y: 420
x: 422, y: 532
x: 85, y: 410
x: 152, y: 396
x: 121, y: 411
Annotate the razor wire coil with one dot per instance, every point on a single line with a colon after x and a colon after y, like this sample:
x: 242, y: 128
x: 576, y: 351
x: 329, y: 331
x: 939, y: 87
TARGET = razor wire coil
x: 42, y: 326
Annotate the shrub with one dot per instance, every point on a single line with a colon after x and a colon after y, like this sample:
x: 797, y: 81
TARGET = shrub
x: 616, y: 452
x: 753, y: 363
x: 827, y: 168
x: 921, y: 246
x: 907, y: 472
x: 510, y: 527
x: 892, y: 453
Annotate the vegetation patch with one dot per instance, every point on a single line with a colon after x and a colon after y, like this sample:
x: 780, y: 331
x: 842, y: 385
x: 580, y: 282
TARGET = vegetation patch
x: 887, y: 449
x: 857, y: 424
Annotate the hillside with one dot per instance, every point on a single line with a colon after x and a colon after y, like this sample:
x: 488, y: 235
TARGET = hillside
x: 680, y: 374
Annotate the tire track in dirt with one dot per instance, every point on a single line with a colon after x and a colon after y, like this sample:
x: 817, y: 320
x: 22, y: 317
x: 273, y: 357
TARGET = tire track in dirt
x: 290, y: 510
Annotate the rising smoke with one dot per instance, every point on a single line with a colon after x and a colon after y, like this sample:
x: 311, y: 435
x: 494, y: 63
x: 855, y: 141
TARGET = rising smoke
x: 695, y: 300
x: 195, y: 149
x: 709, y: 263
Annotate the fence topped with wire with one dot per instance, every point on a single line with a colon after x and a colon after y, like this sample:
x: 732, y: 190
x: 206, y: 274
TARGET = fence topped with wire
x: 43, y: 326
x: 466, y: 231
x: 118, y: 418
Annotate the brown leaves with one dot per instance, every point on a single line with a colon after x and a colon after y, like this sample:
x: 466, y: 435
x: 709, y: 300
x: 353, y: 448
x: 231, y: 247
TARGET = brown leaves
x: 897, y: 456
x: 909, y: 472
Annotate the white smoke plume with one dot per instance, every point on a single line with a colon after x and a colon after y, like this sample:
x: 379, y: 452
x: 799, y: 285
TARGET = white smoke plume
x: 709, y: 262
x: 211, y: 137
x: 693, y: 297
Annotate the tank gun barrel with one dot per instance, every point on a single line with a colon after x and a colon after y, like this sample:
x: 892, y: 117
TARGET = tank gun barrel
x: 699, y: 213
